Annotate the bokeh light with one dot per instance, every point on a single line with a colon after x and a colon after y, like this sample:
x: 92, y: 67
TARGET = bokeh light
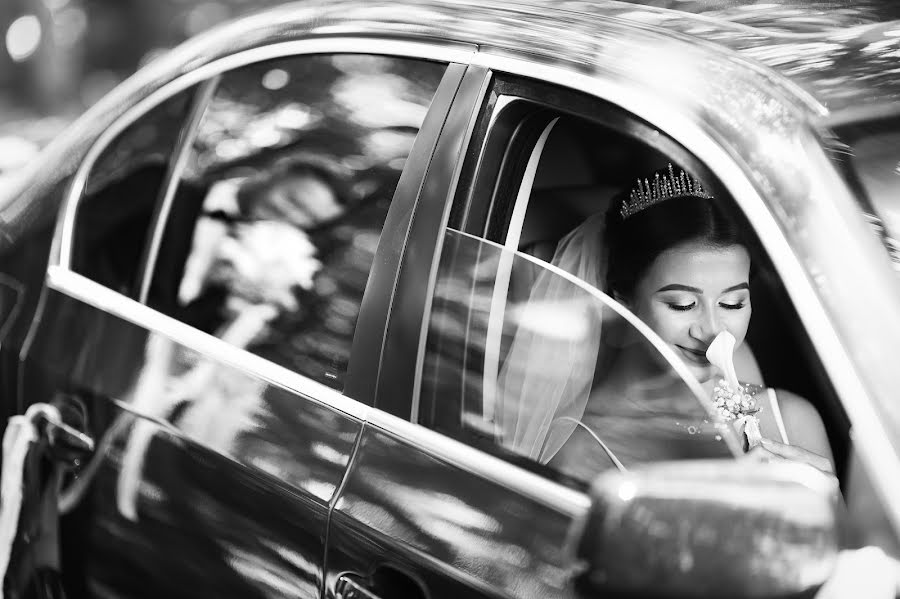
x: 23, y: 37
x: 275, y: 79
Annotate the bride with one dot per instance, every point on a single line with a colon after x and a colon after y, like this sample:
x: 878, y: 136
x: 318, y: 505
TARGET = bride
x: 672, y: 256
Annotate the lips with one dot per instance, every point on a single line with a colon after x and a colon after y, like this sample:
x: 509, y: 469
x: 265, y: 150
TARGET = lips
x: 697, y: 356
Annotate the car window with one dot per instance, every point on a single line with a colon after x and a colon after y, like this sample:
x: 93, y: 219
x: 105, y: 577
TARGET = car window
x: 279, y: 211
x: 114, y: 215
x: 521, y: 359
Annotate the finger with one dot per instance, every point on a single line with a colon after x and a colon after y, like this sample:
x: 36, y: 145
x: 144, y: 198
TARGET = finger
x: 761, y: 454
x: 798, y: 454
x: 790, y: 452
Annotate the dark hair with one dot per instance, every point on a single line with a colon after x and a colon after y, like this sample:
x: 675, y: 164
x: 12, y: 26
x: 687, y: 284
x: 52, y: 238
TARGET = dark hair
x: 635, y: 242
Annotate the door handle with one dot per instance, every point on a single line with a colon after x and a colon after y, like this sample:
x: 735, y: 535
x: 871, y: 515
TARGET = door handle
x: 347, y: 588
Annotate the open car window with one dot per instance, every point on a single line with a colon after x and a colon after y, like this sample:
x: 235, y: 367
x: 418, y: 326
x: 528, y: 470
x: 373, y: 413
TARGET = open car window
x: 522, y: 359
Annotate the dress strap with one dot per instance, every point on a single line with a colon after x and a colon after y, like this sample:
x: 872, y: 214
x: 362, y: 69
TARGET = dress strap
x: 776, y: 411
x: 609, y: 453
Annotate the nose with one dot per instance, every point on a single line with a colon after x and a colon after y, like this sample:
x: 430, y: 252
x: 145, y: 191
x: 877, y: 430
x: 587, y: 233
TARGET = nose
x: 707, y: 326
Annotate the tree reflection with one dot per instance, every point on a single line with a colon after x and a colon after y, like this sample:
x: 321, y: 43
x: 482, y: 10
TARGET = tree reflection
x: 300, y: 169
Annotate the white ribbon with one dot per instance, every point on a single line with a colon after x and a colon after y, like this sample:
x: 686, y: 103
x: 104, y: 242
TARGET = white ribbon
x: 748, y: 424
x: 20, y: 434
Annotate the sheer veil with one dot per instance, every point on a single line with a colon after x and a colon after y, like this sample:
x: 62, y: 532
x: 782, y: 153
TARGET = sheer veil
x: 546, y: 379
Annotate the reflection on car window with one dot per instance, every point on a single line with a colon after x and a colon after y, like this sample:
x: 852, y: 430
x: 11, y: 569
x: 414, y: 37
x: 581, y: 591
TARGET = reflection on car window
x: 276, y: 222
x: 122, y: 189
x: 523, y: 358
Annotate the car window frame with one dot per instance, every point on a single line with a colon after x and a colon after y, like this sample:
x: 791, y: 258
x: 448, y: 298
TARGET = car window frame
x: 501, y: 92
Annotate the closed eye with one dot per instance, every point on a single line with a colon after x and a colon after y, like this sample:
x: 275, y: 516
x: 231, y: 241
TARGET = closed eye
x: 681, y: 307
x: 736, y: 306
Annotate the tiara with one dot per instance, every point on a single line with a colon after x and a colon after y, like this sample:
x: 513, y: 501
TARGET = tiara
x: 645, y: 193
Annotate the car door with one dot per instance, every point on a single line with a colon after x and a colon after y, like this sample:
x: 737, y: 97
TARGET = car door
x: 201, y: 306
x: 438, y: 502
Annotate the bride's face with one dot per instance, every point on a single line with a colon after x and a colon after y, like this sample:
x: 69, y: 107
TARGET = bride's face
x: 690, y: 294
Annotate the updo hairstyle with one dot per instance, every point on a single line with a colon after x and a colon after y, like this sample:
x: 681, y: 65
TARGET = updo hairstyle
x: 636, y: 241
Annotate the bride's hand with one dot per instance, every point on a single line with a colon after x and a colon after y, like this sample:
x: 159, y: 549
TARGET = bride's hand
x: 769, y: 450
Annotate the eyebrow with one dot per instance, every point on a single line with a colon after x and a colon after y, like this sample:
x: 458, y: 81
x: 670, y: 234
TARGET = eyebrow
x: 677, y: 287
x: 736, y: 287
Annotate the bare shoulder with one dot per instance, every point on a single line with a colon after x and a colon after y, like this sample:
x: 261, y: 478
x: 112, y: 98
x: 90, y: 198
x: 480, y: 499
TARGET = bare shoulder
x: 803, y: 423
x: 794, y: 406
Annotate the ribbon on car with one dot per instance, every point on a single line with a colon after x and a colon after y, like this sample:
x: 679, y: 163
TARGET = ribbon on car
x: 21, y: 434
x: 38, y: 449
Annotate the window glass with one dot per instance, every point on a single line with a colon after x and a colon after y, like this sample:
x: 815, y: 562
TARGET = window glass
x: 526, y: 360
x: 278, y: 216
x: 116, y: 211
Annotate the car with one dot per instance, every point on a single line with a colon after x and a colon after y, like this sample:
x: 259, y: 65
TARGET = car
x: 275, y: 277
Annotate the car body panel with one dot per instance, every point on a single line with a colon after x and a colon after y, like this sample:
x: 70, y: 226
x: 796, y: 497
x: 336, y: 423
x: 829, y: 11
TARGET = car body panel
x: 461, y: 532
x: 190, y: 446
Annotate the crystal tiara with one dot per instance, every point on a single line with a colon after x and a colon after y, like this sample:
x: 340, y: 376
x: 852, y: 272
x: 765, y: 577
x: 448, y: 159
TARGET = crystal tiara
x: 647, y: 193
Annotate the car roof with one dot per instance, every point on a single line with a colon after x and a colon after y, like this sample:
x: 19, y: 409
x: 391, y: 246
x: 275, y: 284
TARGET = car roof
x: 841, y: 54
x: 844, y: 53
x: 822, y: 57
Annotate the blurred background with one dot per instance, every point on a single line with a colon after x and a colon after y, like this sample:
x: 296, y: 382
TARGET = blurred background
x: 59, y: 56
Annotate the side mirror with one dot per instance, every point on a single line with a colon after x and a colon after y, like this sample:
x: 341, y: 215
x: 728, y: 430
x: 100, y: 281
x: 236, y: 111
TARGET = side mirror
x: 711, y: 528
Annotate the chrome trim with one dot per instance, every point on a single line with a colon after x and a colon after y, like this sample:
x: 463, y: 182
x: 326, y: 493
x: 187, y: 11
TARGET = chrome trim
x: 184, y: 145
x: 566, y: 501
x: 869, y: 435
x: 61, y: 254
x: 93, y: 294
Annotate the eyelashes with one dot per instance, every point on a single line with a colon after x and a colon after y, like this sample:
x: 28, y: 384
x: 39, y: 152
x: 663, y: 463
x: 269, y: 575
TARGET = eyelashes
x: 686, y: 307
x: 736, y: 306
x: 680, y: 307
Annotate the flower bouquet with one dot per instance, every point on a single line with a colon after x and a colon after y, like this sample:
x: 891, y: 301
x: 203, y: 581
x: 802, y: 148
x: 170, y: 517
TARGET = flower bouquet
x: 732, y: 400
